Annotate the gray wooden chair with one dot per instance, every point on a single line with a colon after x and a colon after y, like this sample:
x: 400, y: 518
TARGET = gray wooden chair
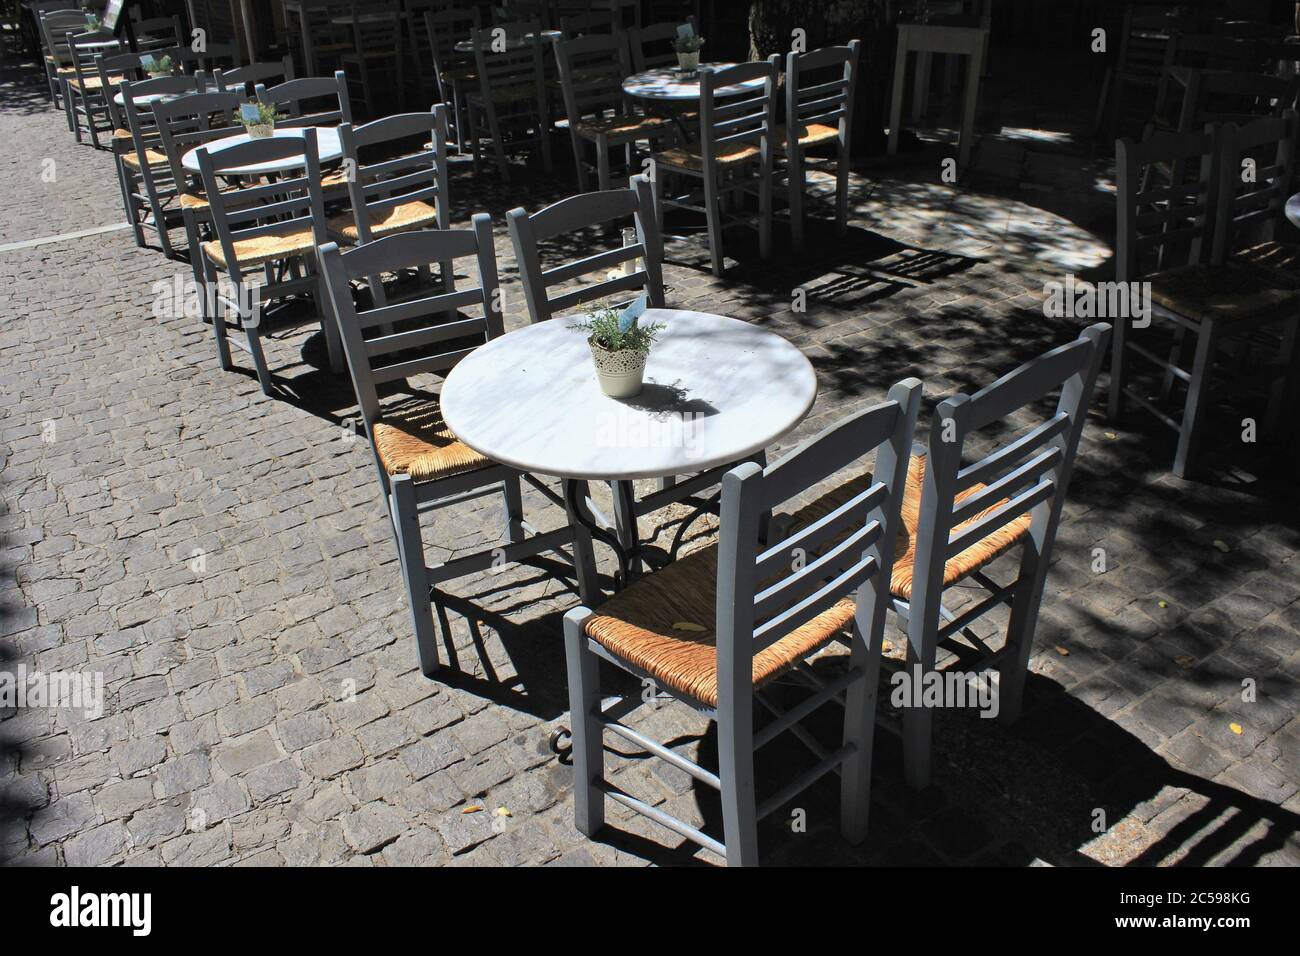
x: 819, y: 90
x: 1164, y: 237
x: 309, y: 100
x: 245, y: 79
x: 960, y: 517
x: 86, y: 102
x: 214, y: 56
x: 652, y: 46
x: 510, y: 102
x: 270, y: 229
x: 113, y: 69
x: 1249, y: 212
x: 185, y: 123
x: 394, y: 193
x: 54, y: 27
x: 714, y: 627
x: 453, y: 70
x: 592, y: 69
x: 733, y: 156
x: 153, y: 33
x: 421, y: 465
x: 377, y: 53
x: 149, y: 184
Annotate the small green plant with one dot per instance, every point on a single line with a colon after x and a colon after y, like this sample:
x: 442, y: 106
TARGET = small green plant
x: 690, y: 44
x: 159, y: 66
x: 258, y: 114
x: 614, y: 331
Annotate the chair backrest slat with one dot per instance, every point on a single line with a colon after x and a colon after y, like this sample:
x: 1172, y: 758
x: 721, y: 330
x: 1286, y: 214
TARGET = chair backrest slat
x: 309, y: 100
x: 245, y: 79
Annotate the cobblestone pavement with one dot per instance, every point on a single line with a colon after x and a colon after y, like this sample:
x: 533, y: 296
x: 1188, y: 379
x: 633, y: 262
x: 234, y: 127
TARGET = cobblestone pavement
x: 222, y: 559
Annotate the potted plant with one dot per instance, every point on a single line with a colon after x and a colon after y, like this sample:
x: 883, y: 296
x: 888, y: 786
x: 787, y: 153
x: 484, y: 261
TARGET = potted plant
x: 92, y: 22
x: 259, y: 119
x: 620, y: 345
x: 688, y: 52
x: 157, y: 67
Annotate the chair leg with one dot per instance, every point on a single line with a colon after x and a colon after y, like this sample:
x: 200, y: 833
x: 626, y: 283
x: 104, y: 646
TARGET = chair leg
x: 1024, y: 619
x: 736, y: 771
x: 128, y: 203
x: 253, y: 334
x: 842, y: 192
x: 584, y: 181
x: 713, y: 216
x: 794, y: 187
x: 922, y: 626
x: 1197, y: 398
x: 860, y: 731
x: 602, y: 162
x: 764, y: 212
x: 498, y: 147
x: 514, y: 507
x: 588, y: 746
x: 415, y: 575
x: 896, y: 106
x: 1118, y: 367
x: 1285, y: 393
x: 210, y: 305
x: 475, y: 149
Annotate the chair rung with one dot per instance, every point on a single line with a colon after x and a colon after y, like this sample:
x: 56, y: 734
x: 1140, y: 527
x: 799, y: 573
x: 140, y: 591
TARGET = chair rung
x: 805, y: 780
x: 1000, y: 596
x: 1152, y: 408
x: 1176, y: 371
x: 512, y: 553
x: 805, y: 707
x: 662, y: 752
x: 660, y: 817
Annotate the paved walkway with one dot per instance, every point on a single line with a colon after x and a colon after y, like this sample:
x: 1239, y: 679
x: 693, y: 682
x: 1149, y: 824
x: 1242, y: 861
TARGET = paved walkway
x: 223, y: 561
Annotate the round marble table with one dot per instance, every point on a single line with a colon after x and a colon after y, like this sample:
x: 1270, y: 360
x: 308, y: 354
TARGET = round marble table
x: 1293, y: 210
x: 145, y: 99
x: 717, y: 390
x: 327, y: 144
x: 670, y: 83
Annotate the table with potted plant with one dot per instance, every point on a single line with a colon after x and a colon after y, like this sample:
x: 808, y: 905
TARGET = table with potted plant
x: 561, y: 398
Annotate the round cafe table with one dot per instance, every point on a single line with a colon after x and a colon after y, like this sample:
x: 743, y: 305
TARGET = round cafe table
x: 1293, y: 210
x: 717, y: 390
x: 670, y: 83
x: 327, y: 144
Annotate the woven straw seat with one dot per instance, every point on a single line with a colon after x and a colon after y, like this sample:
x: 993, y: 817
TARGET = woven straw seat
x: 260, y: 249
x: 121, y: 134
x: 516, y: 93
x: 155, y: 157
x: 194, y: 201
x: 621, y: 126
x: 813, y: 133
x: 334, y: 178
x: 1230, y: 292
x: 643, y: 625
x: 1280, y: 259
x: 385, y: 222
x: 412, y: 439
x: 95, y: 82
x: 459, y: 73
x: 689, y: 157
x: 972, y: 559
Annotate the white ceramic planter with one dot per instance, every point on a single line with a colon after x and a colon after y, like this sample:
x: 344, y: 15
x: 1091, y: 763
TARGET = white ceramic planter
x: 688, y: 62
x: 261, y: 131
x: 620, y: 373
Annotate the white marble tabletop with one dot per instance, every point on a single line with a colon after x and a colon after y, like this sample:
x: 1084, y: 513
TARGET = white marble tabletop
x: 1293, y: 210
x: 327, y: 144
x: 145, y: 99
x: 670, y: 83
x: 716, y: 390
